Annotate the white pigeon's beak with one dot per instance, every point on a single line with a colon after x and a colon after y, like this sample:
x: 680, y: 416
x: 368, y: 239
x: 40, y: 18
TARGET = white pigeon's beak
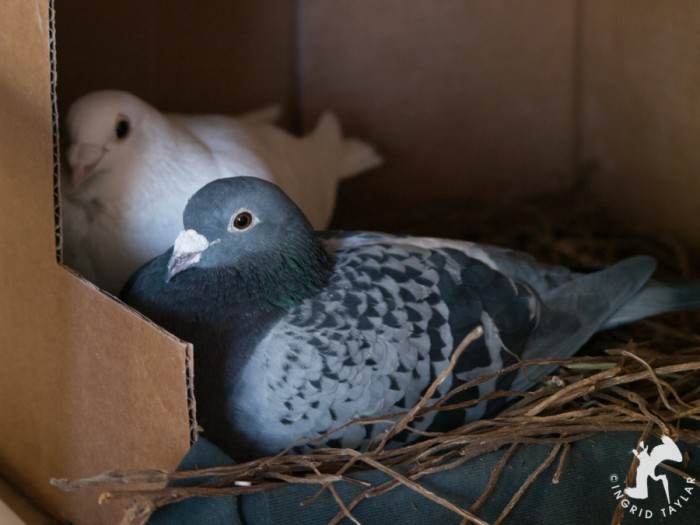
x: 82, y: 158
x: 187, y: 251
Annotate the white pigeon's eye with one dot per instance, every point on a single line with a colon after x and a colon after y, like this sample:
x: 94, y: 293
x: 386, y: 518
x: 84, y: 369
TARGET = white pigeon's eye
x: 122, y: 127
x: 241, y: 220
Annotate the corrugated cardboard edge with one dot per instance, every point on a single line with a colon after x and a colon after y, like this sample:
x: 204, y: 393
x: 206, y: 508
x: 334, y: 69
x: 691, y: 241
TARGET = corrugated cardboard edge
x: 56, y: 133
x: 55, y: 120
x: 88, y: 385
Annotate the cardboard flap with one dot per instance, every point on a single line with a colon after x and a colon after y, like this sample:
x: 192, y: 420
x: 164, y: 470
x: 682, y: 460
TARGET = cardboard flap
x: 86, y: 384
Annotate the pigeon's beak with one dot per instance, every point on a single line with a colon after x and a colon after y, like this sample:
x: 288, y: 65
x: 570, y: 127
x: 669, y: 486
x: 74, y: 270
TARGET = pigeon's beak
x: 187, y: 251
x: 82, y: 158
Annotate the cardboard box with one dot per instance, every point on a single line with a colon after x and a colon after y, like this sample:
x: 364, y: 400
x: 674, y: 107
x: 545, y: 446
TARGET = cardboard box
x: 86, y: 385
x: 479, y: 101
x: 15, y: 506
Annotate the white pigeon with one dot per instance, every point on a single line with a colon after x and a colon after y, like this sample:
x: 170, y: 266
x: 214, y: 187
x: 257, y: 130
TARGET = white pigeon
x: 132, y: 170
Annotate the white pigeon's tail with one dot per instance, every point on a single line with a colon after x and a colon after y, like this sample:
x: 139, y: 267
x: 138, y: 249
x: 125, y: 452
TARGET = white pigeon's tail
x: 356, y: 156
x: 267, y: 115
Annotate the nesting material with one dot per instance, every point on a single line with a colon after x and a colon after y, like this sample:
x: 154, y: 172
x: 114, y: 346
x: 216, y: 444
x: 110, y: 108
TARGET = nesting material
x: 630, y: 388
x: 643, y: 378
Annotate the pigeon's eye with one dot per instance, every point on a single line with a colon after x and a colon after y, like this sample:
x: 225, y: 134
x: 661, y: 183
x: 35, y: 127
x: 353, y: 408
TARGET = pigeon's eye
x: 122, y: 128
x: 241, y: 221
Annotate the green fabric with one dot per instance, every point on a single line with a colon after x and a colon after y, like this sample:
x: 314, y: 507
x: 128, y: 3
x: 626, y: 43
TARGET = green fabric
x: 584, y: 494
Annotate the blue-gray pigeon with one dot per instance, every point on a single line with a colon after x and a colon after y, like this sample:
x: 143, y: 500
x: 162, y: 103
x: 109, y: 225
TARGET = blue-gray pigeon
x: 296, y: 332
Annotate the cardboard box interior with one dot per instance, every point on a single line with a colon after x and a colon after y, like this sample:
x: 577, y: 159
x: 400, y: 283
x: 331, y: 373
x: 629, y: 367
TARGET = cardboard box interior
x: 476, y: 101
x: 14, y: 505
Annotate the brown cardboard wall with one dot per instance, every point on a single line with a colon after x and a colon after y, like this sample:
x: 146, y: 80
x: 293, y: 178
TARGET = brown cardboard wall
x: 85, y: 384
x: 641, y: 112
x: 192, y: 56
x: 469, y: 101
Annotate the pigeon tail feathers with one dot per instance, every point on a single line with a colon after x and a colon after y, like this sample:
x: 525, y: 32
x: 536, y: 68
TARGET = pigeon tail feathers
x: 574, y: 311
x: 657, y: 297
x: 356, y: 156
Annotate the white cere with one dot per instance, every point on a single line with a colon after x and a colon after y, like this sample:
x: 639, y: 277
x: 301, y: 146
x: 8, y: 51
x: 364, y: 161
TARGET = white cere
x: 190, y: 241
